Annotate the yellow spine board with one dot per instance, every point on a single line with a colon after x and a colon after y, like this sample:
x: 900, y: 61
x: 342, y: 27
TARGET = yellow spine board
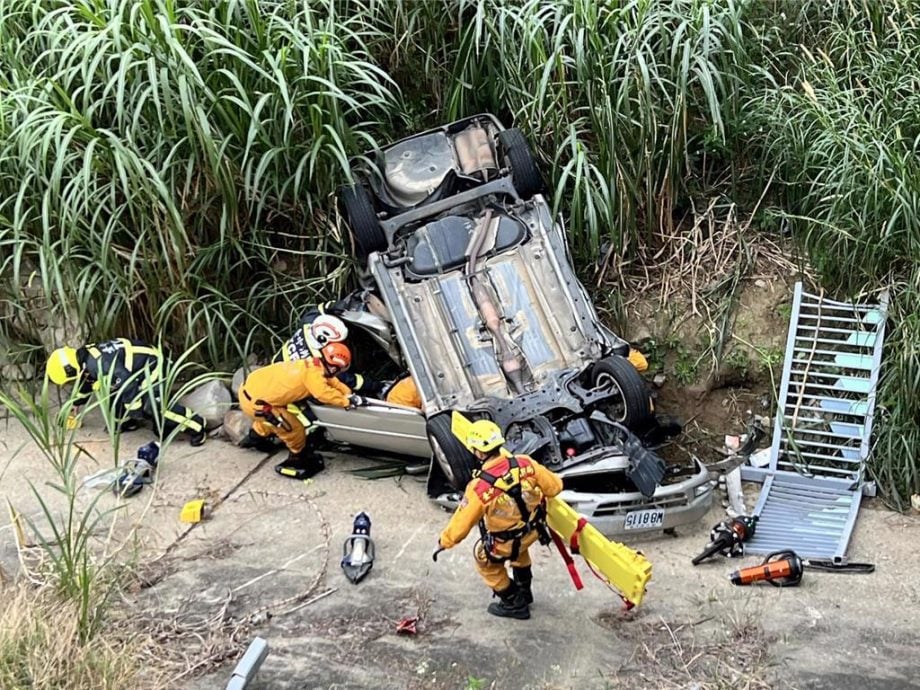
x: 625, y: 569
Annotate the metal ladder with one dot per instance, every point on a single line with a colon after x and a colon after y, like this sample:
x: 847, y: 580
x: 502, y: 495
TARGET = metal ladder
x: 821, y: 438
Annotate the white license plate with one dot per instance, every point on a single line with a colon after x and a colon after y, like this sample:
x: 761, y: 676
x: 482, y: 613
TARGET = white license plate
x: 644, y: 519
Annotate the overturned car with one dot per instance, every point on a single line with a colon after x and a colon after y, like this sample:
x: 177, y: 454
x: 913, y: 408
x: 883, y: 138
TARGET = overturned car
x: 469, y: 286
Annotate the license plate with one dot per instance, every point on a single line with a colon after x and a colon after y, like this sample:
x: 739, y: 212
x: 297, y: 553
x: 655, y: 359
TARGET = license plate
x: 644, y: 519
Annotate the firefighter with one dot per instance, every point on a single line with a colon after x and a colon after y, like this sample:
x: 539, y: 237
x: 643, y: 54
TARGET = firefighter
x: 133, y: 371
x: 273, y: 395
x: 403, y: 391
x: 321, y: 325
x: 507, y: 499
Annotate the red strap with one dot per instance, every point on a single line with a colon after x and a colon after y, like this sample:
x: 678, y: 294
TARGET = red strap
x: 569, y: 563
x: 573, y: 541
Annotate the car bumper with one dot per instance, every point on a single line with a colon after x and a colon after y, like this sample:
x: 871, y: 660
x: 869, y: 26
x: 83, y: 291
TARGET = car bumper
x: 682, y: 503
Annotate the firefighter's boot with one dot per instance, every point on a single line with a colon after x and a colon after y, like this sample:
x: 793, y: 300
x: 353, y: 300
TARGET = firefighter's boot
x: 522, y: 578
x: 511, y: 603
x: 302, y: 465
x: 258, y: 442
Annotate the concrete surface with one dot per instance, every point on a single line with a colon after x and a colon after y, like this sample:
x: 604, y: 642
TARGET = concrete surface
x: 834, y: 631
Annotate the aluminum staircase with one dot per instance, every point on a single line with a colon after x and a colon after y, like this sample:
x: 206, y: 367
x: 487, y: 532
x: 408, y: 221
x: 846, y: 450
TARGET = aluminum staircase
x: 816, y: 477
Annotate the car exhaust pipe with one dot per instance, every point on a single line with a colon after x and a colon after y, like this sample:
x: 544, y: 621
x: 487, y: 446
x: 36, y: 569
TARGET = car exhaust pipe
x: 511, y: 363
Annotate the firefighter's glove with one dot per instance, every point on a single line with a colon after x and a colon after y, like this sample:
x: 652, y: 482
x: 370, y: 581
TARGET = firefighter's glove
x: 438, y: 549
x: 356, y: 401
x: 72, y: 422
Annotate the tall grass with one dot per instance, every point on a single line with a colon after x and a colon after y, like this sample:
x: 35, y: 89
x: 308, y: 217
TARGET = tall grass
x: 166, y: 168
x: 844, y: 131
x: 621, y: 98
x: 41, y: 647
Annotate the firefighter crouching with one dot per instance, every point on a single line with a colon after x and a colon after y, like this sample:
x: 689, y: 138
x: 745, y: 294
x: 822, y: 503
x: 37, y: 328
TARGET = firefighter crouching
x: 507, y: 499
x: 272, y: 396
x: 133, y: 371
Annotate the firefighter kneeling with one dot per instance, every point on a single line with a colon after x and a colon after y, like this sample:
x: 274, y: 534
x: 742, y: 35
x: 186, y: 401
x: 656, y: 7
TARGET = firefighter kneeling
x: 507, y: 498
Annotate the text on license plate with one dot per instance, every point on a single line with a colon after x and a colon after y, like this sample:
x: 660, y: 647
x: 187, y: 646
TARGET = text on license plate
x: 644, y: 519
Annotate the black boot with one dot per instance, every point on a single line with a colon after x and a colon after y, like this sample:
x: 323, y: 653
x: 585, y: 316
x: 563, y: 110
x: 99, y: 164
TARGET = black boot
x: 258, y: 442
x: 511, y: 604
x: 302, y: 465
x: 522, y: 578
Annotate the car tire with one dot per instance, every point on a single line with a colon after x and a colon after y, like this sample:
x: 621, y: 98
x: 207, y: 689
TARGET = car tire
x: 524, y: 171
x: 455, y: 460
x: 362, y: 219
x: 635, y: 409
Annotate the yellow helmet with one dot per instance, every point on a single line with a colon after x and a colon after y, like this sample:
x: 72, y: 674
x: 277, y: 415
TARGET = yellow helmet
x: 63, y: 366
x: 483, y: 435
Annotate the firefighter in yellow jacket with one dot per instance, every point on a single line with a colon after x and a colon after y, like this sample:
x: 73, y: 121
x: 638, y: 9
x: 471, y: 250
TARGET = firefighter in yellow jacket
x: 507, y: 499
x: 403, y: 392
x: 272, y: 396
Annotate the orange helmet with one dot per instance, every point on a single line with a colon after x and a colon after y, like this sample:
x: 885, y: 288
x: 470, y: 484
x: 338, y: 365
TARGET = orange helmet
x: 337, y: 356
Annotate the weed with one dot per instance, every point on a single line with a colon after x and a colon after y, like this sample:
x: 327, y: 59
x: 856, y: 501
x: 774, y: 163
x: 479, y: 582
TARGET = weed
x: 739, y: 360
x: 771, y: 359
x: 473, y: 683
x: 686, y: 366
x: 785, y: 311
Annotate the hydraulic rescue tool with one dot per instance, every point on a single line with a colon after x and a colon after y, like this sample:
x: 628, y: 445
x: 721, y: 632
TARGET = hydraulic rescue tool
x: 358, y: 551
x: 137, y: 472
x: 785, y: 569
x: 728, y: 537
x: 622, y: 568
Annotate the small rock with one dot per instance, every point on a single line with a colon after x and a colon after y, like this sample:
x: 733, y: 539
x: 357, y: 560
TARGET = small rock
x: 760, y: 283
x: 659, y: 380
x: 210, y: 400
x: 915, y: 502
x: 252, y: 363
x: 236, y: 426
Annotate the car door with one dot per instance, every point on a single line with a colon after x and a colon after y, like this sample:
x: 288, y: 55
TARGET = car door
x: 384, y: 427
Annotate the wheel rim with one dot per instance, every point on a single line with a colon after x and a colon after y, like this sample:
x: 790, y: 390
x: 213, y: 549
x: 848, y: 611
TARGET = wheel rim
x: 616, y: 410
x: 441, y: 458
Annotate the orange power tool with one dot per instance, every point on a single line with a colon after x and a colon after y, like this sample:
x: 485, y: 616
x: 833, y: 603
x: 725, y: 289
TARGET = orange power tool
x: 785, y: 569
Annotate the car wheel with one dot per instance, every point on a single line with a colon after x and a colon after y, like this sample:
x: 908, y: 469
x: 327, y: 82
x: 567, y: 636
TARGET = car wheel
x: 366, y: 231
x: 632, y: 406
x: 524, y: 171
x: 457, y: 462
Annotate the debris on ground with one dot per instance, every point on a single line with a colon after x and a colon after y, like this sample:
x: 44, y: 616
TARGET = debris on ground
x: 247, y: 667
x: 407, y: 626
x: 194, y: 511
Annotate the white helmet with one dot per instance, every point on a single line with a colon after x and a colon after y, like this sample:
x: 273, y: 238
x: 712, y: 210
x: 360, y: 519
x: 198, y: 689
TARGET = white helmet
x: 327, y: 329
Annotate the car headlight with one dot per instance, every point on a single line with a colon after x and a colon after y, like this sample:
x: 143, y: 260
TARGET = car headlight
x: 703, y: 488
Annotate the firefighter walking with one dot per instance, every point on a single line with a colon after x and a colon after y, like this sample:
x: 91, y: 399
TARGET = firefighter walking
x: 131, y: 372
x: 275, y: 398
x: 507, y: 499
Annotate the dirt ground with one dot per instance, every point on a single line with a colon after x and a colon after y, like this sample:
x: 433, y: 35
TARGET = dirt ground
x: 277, y: 543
